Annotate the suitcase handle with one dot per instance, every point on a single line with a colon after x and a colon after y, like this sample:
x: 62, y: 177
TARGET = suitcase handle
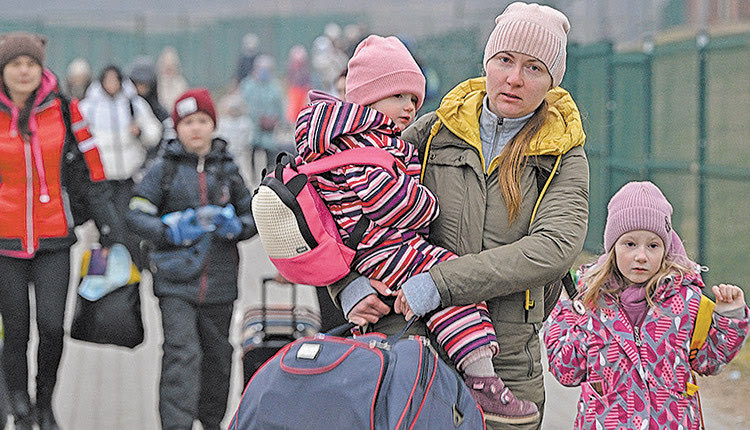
x: 263, y: 297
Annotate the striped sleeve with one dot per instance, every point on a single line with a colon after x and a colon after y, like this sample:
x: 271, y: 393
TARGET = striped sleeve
x: 400, y: 202
x: 86, y: 143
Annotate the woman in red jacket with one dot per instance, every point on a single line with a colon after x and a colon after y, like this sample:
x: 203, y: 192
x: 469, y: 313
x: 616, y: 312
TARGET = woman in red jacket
x: 44, y: 146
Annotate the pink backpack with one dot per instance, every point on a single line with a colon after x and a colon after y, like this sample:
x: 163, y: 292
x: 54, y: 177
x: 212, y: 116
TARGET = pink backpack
x: 295, y: 227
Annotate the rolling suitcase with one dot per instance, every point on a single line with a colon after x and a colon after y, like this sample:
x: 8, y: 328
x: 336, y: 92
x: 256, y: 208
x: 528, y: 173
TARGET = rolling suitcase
x: 268, y: 327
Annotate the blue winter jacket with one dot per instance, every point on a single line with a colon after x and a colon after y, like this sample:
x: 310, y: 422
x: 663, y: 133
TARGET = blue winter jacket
x: 179, y: 180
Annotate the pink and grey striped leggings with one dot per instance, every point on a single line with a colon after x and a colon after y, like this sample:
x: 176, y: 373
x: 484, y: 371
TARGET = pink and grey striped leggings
x: 459, y: 329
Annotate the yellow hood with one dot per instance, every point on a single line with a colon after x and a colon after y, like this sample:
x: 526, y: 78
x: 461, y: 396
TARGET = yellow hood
x: 460, y: 108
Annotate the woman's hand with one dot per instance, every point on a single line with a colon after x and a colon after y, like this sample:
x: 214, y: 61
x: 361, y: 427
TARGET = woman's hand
x: 728, y: 297
x: 371, y: 308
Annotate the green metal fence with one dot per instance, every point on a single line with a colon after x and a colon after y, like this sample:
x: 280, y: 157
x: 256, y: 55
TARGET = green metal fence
x: 208, y: 53
x: 677, y: 113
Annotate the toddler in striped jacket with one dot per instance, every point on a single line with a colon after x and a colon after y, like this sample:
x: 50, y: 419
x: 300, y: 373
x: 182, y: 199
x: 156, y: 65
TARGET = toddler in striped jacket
x: 384, y: 89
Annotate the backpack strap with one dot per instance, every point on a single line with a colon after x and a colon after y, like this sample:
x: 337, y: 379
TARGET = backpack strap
x: 697, y: 340
x: 702, y: 325
x: 369, y: 156
x: 433, y: 132
x: 70, y: 140
x: 543, y: 180
x: 169, y: 170
x: 358, y: 232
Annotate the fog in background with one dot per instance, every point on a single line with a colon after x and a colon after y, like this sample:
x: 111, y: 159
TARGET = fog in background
x: 622, y: 21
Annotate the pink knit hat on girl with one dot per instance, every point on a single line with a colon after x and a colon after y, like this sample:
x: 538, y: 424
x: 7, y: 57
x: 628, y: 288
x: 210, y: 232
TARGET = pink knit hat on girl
x: 382, y: 67
x: 639, y: 206
x: 531, y: 29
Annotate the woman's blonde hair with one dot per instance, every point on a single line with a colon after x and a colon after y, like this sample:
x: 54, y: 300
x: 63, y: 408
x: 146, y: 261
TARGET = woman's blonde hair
x: 513, y: 160
x: 606, y: 278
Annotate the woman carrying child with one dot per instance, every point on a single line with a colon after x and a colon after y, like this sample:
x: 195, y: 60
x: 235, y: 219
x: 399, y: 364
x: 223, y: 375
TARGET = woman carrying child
x: 482, y: 152
x: 626, y: 337
x: 385, y: 87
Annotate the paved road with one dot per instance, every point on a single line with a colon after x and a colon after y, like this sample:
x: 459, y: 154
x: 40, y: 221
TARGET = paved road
x: 116, y: 389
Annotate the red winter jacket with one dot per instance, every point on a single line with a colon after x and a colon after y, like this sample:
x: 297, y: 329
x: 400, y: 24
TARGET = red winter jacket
x: 34, y: 208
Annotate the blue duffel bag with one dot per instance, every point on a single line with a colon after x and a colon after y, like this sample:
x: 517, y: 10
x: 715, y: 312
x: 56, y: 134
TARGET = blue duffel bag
x: 369, y: 382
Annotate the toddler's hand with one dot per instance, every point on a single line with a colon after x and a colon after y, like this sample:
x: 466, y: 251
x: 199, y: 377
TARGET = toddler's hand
x: 401, y: 306
x: 728, y: 297
x: 381, y: 288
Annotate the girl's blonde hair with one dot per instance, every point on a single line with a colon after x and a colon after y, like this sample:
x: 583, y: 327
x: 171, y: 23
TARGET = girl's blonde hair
x: 606, y: 278
x: 513, y: 160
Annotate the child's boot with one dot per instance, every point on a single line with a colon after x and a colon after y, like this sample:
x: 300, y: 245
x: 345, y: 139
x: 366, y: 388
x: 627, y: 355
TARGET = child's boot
x: 498, y: 402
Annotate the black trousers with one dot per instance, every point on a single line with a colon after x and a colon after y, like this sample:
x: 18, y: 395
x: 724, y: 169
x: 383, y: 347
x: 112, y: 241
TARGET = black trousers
x: 48, y: 272
x: 196, y: 363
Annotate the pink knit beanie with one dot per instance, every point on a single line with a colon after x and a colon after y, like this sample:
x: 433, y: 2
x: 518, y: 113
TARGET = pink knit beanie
x: 380, y: 68
x: 531, y: 29
x: 638, y: 206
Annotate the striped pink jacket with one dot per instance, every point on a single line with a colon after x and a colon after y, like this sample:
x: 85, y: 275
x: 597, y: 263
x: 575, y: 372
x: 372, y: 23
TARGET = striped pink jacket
x: 400, y: 209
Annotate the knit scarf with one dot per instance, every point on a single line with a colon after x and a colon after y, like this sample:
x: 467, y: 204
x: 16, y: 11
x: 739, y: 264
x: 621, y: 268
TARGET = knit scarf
x: 633, y: 302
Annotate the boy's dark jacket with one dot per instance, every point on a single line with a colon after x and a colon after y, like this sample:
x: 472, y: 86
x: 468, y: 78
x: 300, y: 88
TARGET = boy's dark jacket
x: 217, y: 282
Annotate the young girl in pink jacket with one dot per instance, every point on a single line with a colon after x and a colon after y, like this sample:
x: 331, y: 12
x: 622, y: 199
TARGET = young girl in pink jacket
x: 625, y: 339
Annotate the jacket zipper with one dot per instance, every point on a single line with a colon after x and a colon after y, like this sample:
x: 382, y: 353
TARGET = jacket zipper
x: 637, y: 336
x: 527, y: 349
x: 424, y: 369
x: 498, y: 130
x: 200, y: 168
x: 386, y: 363
x: 29, y: 197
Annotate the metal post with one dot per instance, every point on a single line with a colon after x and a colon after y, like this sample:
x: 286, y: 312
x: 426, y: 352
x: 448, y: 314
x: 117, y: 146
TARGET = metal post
x: 610, y: 120
x: 702, y: 43
x: 648, y: 68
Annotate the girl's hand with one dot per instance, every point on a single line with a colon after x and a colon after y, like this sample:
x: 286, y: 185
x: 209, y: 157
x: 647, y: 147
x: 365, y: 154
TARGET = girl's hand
x: 728, y: 297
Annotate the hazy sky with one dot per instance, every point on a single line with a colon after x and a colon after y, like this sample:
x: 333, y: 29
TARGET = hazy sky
x: 48, y: 8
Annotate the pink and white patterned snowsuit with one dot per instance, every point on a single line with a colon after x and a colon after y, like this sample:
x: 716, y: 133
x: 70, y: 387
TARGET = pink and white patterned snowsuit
x: 637, y: 379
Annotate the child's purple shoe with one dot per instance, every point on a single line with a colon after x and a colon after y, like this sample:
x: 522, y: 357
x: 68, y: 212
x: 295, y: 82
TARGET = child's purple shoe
x: 498, y: 402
